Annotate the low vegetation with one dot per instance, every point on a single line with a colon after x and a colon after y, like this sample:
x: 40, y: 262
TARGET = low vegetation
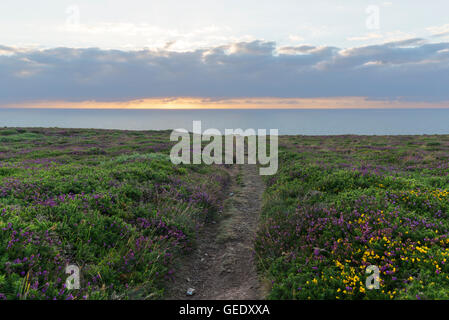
x: 339, y: 204
x: 110, y: 202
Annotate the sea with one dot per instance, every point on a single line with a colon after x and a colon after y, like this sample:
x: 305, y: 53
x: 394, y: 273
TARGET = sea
x: 287, y: 121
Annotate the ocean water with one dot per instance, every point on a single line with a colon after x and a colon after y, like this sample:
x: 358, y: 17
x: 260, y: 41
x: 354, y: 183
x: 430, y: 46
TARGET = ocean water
x: 306, y: 122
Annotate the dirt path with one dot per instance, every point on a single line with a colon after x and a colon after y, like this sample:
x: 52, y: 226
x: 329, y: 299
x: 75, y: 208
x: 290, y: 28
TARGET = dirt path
x: 223, y: 265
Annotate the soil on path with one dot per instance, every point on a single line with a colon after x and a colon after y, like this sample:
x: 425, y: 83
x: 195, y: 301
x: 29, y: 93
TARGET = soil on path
x: 223, y: 265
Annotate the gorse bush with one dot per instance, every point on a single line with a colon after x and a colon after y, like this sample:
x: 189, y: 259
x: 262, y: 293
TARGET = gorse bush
x: 340, y: 204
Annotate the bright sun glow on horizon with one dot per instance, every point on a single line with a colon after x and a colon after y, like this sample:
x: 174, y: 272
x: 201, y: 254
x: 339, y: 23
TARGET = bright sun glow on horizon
x: 238, y: 103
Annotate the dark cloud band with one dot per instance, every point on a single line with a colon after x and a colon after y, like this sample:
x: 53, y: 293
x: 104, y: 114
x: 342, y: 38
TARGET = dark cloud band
x: 411, y: 70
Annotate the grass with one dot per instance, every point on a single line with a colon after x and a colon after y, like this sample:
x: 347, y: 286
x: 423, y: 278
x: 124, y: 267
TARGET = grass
x: 339, y: 204
x: 110, y: 202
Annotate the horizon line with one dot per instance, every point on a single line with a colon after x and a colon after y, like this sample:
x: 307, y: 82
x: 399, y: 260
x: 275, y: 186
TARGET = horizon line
x: 253, y: 103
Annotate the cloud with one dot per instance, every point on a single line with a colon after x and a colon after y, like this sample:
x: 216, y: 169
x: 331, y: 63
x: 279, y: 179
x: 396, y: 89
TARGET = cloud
x: 295, y: 38
x: 439, y: 31
x: 407, y: 70
x: 124, y: 35
x: 390, y: 36
x: 369, y: 36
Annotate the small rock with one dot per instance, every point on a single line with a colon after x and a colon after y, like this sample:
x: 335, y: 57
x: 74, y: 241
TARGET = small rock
x: 190, y: 292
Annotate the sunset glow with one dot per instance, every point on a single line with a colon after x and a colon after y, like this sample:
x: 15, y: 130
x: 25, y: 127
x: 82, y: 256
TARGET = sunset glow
x: 238, y: 103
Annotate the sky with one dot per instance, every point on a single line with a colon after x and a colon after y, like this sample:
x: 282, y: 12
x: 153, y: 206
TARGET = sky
x: 218, y: 54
